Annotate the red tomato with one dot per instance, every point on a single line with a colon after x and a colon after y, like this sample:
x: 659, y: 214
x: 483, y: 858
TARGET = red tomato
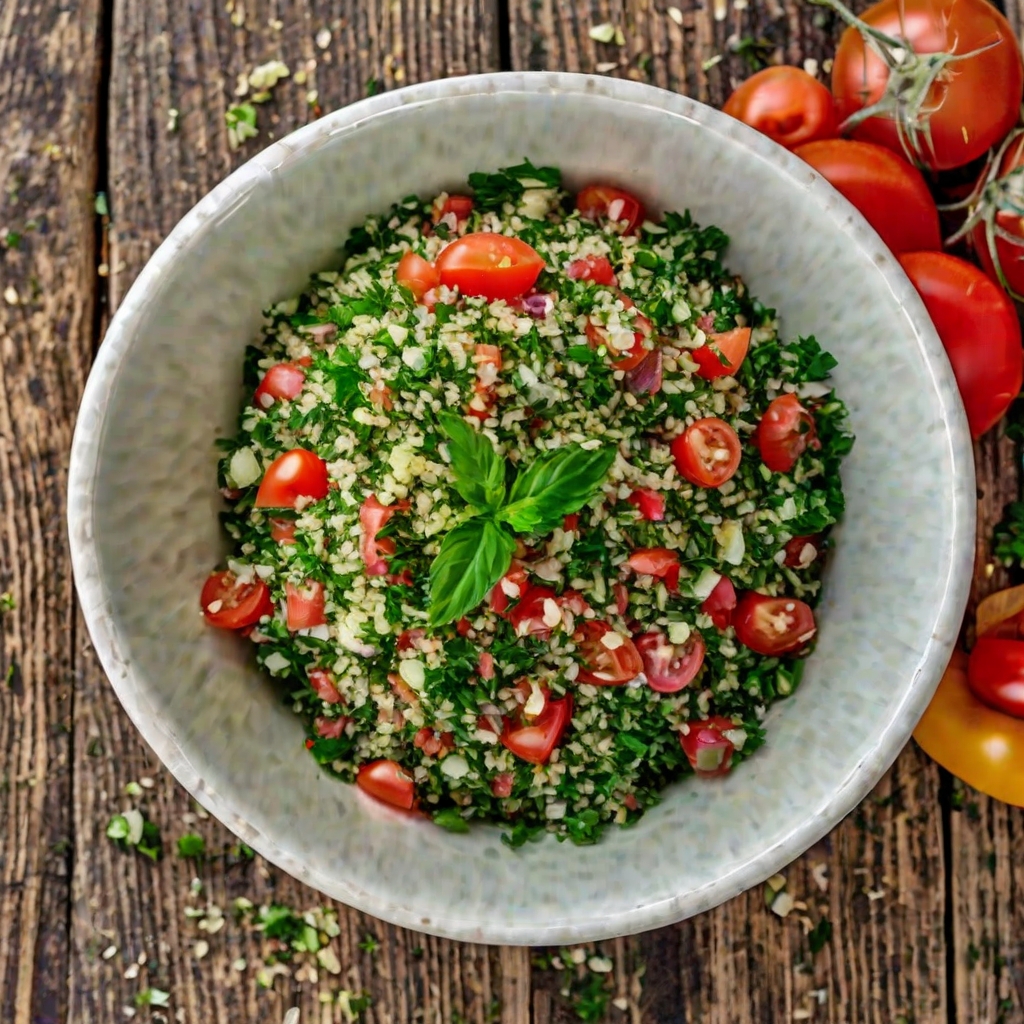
x: 494, y: 266
x: 785, y: 431
x: 228, y: 603
x: 432, y: 742
x: 605, y: 665
x: 372, y: 518
x: 998, y: 233
x: 786, y: 104
x: 592, y: 268
x: 802, y: 551
x: 721, y: 603
x: 282, y: 530
x: 707, y: 453
x: 416, y: 274
x: 598, y: 336
x: 651, y: 503
x: 733, y: 347
x: 283, y: 381
x: 535, y: 742
x: 388, y: 781
x: 670, y: 667
x: 323, y: 686
x: 995, y: 674
x: 527, y: 617
x: 974, y: 101
x: 296, y: 474
x: 653, y: 561
x: 598, y: 202
x: 979, y: 328
x: 460, y: 207
x: 773, y: 625
x: 501, y: 785
x: 305, y: 605
x: 706, y: 748
x: 329, y: 728
x: 891, y: 193
x: 515, y: 579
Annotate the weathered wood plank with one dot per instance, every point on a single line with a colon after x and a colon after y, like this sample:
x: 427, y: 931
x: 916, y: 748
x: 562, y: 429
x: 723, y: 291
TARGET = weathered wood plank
x: 49, y: 87
x: 740, y: 964
x: 187, y: 58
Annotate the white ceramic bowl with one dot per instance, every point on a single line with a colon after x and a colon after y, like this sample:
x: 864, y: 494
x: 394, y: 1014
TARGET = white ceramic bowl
x: 144, y: 531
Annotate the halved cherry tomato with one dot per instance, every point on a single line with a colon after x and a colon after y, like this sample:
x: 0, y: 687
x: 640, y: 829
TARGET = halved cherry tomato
x: 706, y: 747
x: 785, y: 431
x: 294, y: 475
x: 732, y: 350
x: 323, y: 686
x: 372, y: 518
x: 979, y: 329
x: 802, y: 551
x: 601, y: 202
x: 721, y: 603
x: 651, y: 503
x: 995, y: 674
x: 494, y: 266
x: 459, y: 206
x: 609, y: 658
x: 773, y: 625
x: 592, y: 268
x: 670, y: 667
x: 283, y: 381
x: 631, y: 358
x: 535, y: 741
x: 978, y: 744
x: 388, y: 781
x: 228, y: 603
x: 889, y: 191
x: 787, y: 104
x: 416, y: 274
x: 707, y: 453
x: 973, y: 102
x: 282, y: 530
x: 305, y: 605
x: 653, y: 561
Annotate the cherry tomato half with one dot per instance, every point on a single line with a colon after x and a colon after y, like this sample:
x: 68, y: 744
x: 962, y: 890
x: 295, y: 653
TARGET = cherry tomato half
x: 388, y: 782
x: 304, y: 605
x: 731, y: 351
x: 651, y: 504
x: 785, y: 431
x: 787, y: 104
x: 773, y: 625
x: 228, y: 603
x: 494, y: 266
x: 294, y: 475
x: 706, y: 747
x: 670, y: 667
x: 609, y: 658
x: 707, y: 453
x: 995, y: 673
x: 606, y: 202
x: 889, y: 191
x: 971, y: 105
x: 653, y: 561
x: 416, y: 274
x: 802, y: 551
x: 721, y: 603
x: 283, y: 381
x: 534, y: 742
x: 591, y: 268
x: 979, y: 329
x: 978, y: 744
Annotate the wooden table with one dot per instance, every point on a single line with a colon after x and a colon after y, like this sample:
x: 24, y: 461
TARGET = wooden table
x: 922, y: 885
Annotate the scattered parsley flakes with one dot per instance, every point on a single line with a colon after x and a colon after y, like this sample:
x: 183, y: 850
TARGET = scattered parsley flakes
x: 191, y: 845
x: 241, y: 122
x: 153, y: 997
x: 7, y: 602
x: 133, y: 830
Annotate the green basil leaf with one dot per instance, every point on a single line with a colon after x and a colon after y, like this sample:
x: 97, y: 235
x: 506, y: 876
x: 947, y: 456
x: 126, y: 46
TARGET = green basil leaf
x: 555, y: 485
x: 478, y: 470
x: 473, y: 557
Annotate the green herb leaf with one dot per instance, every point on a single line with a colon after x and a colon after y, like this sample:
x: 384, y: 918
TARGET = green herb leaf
x: 818, y: 937
x: 473, y: 557
x: 152, y: 997
x: 117, y: 827
x: 554, y: 486
x: 450, y: 819
x: 191, y: 845
x: 478, y: 470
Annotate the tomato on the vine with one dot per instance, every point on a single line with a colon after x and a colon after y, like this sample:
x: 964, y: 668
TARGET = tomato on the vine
x: 787, y: 104
x: 979, y: 329
x: 228, y: 603
x: 951, y: 89
x: 491, y: 265
x: 773, y: 625
x: 707, y: 453
x: 891, y: 193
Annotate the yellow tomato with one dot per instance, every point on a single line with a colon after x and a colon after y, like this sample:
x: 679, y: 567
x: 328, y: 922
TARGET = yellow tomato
x: 978, y: 744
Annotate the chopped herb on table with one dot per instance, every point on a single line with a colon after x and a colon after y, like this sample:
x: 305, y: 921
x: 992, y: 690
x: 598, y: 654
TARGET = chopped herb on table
x: 528, y: 507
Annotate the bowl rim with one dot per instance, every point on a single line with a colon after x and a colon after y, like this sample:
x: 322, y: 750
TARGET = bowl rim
x: 92, y: 592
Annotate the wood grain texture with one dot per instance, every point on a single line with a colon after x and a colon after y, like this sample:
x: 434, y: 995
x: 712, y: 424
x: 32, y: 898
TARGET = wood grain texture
x: 130, y: 928
x: 48, y: 90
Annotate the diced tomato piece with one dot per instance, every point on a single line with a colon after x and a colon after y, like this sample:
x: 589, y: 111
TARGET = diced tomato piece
x: 294, y: 475
x: 786, y: 430
x: 281, y: 382
x: 571, y: 523
x: 460, y: 207
x: 432, y: 742
x: 389, y: 782
x: 305, y: 604
x: 535, y: 742
x: 720, y: 603
x: 527, y: 617
x: 621, y: 593
x: 490, y: 265
x: 732, y: 346
x: 282, y: 530
x: 323, y: 686
x: 372, y: 518
x: 485, y: 665
x: 651, y: 503
x: 330, y: 728
x: 501, y: 785
x: 654, y: 561
x: 592, y: 268
x: 609, y: 658
x: 708, y: 452
x: 802, y: 551
x: 402, y: 689
x: 706, y: 748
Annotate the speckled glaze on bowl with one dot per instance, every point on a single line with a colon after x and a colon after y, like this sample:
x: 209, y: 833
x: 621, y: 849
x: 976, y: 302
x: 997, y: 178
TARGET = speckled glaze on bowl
x: 144, y: 531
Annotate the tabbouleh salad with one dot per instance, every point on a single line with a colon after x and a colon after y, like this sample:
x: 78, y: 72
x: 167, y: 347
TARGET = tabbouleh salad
x: 528, y: 506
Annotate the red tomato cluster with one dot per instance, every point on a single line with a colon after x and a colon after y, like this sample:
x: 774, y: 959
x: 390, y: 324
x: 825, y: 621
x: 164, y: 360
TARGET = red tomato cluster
x: 921, y: 87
